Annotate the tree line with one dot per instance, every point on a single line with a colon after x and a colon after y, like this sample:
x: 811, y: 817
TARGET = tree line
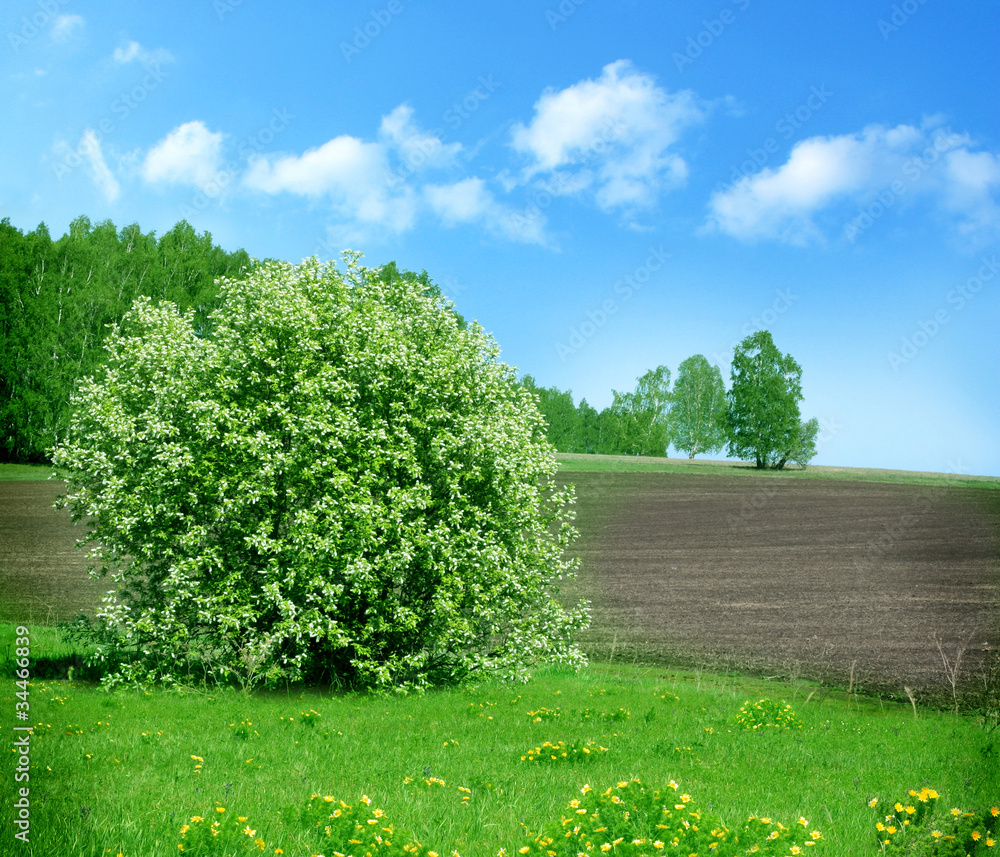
x: 758, y: 419
x: 57, y: 298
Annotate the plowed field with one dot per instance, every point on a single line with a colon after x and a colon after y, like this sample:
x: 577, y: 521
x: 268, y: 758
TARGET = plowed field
x: 803, y: 577
x: 42, y: 577
x: 786, y: 576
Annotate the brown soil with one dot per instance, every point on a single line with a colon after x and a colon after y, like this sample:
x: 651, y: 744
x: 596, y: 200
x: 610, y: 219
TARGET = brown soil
x: 43, y: 578
x: 815, y: 578
x: 782, y: 576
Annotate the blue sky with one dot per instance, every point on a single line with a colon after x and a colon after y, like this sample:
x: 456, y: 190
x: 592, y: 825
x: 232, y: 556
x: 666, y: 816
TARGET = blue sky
x: 606, y: 187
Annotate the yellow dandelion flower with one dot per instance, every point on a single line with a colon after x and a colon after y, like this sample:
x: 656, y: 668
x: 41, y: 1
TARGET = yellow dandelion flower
x: 936, y: 834
x: 242, y: 818
x: 994, y: 811
x: 976, y: 835
x: 524, y: 850
x: 956, y: 811
x: 220, y: 809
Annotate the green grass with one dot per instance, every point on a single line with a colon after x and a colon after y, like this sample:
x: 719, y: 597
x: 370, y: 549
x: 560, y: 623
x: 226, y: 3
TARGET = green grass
x: 576, y: 462
x: 116, y: 773
x: 25, y: 472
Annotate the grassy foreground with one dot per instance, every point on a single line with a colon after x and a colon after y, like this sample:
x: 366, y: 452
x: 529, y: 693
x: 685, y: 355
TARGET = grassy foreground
x: 467, y: 770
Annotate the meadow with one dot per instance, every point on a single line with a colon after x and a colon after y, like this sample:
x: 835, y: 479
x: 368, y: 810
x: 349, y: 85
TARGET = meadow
x: 492, y: 768
x: 468, y: 770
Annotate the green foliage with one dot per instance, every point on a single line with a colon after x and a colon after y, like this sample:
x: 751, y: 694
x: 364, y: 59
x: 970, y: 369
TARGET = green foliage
x: 763, y: 403
x: 57, y: 298
x: 698, y: 411
x: 640, y: 418
x: 339, y: 482
x: 804, y: 448
x: 916, y: 826
x: 563, y: 420
x: 767, y: 713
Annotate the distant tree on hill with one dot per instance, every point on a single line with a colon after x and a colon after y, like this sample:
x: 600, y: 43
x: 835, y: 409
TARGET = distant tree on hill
x: 763, y: 419
x: 639, y: 420
x: 698, y: 412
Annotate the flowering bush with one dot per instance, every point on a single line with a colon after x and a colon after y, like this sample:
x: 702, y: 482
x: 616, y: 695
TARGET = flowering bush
x: 333, y: 478
x: 915, y: 826
x: 767, y: 712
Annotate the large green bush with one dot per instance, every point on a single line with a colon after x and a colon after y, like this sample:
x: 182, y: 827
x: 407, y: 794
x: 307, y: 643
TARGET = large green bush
x: 333, y: 479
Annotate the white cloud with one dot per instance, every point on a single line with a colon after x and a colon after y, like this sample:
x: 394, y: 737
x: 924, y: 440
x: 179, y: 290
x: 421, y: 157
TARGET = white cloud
x: 190, y: 154
x: 90, y: 148
x: 351, y: 172
x: 470, y: 201
x: 612, y: 135
x: 417, y: 149
x: 972, y: 186
x: 384, y: 183
x: 132, y: 51
x: 64, y: 27
x: 460, y: 202
x: 822, y: 173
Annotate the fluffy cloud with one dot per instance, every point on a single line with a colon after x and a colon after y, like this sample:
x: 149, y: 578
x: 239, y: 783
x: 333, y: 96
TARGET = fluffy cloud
x: 416, y: 149
x: 190, y: 154
x: 351, y: 172
x: 470, y: 201
x: 612, y: 136
x: 824, y: 173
